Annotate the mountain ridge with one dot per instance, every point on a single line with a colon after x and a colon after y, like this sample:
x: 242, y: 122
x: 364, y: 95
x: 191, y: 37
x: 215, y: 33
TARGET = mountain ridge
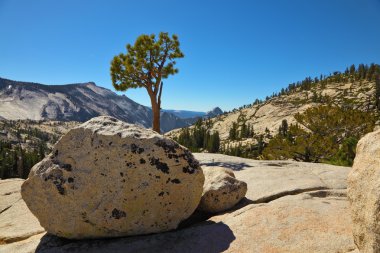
x: 76, y: 102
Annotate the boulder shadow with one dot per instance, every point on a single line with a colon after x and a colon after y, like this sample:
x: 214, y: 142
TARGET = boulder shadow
x: 200, y: 216
x: 230, y: 165
x: 206, y: 236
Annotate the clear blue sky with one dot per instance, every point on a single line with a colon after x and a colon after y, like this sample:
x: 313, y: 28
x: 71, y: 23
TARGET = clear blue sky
x: 235, y: 51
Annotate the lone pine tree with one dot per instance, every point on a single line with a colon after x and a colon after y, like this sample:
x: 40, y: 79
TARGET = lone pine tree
x: 146, y: 64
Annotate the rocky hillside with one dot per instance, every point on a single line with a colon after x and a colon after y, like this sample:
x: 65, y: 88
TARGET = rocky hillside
x: 353, y: 89
x: 76, y: 102
x: 269, y: 114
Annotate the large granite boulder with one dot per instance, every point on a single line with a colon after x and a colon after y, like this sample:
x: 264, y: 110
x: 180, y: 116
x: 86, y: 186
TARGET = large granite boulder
x: 221, y: 190
x: 364, y: 193
x: 107, y: 178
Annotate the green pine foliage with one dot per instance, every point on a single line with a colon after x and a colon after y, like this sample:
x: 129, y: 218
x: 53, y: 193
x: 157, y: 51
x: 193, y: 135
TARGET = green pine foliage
x: 200, y: 138
x: 147, y: 62
x: 21, y: 148
x: 240, y: 130
x: 17, y: 162
x: 377, y: 89
x: 323, y: 134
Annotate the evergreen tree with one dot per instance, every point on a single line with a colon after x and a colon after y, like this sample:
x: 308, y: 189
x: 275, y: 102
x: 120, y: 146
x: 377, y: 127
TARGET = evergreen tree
x: 283, y: 129
x: 327, y: 134
x: 233, y: 133
x: 146, y: 64
x: 377, y: 89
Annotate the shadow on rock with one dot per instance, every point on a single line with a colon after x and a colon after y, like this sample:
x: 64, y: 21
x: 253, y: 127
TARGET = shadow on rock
x: 208, y: 236
x: 199, y: 217
x: 230, y: 165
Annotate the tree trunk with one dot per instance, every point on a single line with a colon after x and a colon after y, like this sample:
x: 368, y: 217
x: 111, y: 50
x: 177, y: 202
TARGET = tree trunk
x: 156, y: 115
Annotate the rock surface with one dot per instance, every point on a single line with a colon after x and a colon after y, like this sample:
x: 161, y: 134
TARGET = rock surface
x: 268, y: 180
x: 16, y: 221
x: 221, y: 190
x: 285, y: 215
x: 364, y: 193
x: 107, y: 178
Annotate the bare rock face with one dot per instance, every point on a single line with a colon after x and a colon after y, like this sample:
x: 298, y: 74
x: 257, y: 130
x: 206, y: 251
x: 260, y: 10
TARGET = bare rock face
x: 221, y: 190
x: 16, y: 221
x: 364, y: 193
x: 107, y: 178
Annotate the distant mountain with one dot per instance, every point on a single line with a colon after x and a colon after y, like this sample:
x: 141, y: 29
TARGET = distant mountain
x: 185, y: 114
x: 75, y: 102
x: 214, y: 112
x: 193, y: 115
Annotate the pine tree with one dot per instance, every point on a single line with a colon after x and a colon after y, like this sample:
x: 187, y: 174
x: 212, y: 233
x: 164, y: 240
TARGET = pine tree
x: 233, y: 133
x: 146, y: 64
x: 377, y: 89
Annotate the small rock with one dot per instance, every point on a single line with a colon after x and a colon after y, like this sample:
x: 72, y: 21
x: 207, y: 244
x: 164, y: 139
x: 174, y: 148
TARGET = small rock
x: 107, y: 178
x: 221, y: 190
x: 364, y: 193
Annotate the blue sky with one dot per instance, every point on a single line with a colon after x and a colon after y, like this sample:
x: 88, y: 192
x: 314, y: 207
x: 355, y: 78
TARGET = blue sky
x: 235, y: 51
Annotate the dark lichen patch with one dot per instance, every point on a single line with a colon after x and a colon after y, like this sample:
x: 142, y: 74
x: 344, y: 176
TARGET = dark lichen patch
x: 110, y: 143
x: 144, y: 184
x: 142, y: 161
x: 67, y: 167
x: 70, y: 180
x: 58, y: 181
x: 175, y: 181
x: 104, y: 175
x: 55, y: 154
x: 84, y: 217
x: 188, y: 169
x: 117, y: 214
x: 58, y: 185
x: 190, y: 159
x: 168, y: 147
x: 161, y: 194
x: 159, y: 165
x: 136, y: 149
x: 130, y: 164
x: 121, y: 174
